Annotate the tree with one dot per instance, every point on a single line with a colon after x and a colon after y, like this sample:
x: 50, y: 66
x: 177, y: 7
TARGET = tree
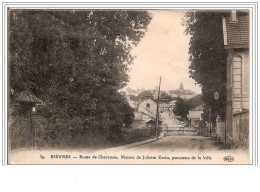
x: 145, y: 94
x: 76, y: 62
x: 208, y: 57
x: 195, y: 101
x: 128, y: 114
x: 163, y: 94
x: 181, y: 108
x: 133, y: 97
x: 165, y: 97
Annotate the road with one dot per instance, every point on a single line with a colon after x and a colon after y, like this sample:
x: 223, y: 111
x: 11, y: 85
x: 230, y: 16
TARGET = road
x: 170, y: 146
x: 178, y: 143
x: 169, y: 119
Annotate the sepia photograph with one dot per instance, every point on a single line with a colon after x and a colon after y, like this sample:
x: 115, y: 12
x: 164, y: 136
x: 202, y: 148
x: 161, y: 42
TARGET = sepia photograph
x: 128, y: 86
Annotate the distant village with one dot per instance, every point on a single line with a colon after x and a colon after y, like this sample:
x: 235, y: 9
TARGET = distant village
x: 144, y: 103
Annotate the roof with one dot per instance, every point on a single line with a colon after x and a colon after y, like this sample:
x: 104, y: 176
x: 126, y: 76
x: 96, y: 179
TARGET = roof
x: 27, y: 97
x: 198, y: 108
x: 148, y: 113
x: 236, y: 34
x: 152, y: 121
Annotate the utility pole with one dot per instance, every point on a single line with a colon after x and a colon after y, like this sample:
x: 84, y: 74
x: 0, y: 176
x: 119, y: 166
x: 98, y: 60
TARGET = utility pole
x: 157, y: 110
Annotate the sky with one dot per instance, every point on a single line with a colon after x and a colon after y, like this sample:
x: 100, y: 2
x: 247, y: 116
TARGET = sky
x: 163, y: 51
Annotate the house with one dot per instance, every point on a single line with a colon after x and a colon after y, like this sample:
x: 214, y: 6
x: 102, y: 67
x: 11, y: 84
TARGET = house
x: 148, y: 108
x: 145, y: 114
x: 195, y: 115
x: 236, y: 41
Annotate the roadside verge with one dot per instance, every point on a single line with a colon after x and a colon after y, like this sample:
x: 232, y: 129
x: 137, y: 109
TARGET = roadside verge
x: 132, y: 145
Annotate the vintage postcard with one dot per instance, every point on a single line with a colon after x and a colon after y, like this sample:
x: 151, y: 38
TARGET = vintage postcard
x: 129, y: 86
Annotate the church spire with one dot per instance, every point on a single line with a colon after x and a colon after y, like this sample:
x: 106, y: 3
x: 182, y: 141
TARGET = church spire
x: 181, y: 86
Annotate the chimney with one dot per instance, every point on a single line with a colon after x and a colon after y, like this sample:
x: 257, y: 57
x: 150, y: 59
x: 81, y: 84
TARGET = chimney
x: 233, y: 16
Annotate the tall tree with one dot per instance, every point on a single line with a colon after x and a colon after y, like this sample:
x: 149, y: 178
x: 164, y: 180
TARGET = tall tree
x: 195, y: 101
x: 208, y: 57
x: 76, y: 61
x: 181, y: 108
x: 146, y: 94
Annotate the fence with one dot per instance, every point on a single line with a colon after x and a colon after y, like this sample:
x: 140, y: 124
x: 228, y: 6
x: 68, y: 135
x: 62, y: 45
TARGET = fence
x: 37, y: 134
x: 133, y: 134
x: 175, y: 131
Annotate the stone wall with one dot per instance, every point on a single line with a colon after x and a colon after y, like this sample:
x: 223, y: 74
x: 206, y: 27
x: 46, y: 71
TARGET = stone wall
x: 241, y: 130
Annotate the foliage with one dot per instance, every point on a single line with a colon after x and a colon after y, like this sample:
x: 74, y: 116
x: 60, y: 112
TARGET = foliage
x: 181, y: 108
x: 134, y: 98
x: 128, y: 115
x: 76, y: 62
x: 182, y: 92
x: 208, y: 57
x: 195, y: 101
x: 165, y: 95
x: 145, y: 94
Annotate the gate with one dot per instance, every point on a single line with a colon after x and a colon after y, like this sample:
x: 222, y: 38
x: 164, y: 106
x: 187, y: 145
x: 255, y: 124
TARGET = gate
x: 19, y: 128
x: 176, y: 131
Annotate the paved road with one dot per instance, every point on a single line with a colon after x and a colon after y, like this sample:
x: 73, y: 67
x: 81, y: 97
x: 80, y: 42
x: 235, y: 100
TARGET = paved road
x: 169, y: 119
x: 178, y: 143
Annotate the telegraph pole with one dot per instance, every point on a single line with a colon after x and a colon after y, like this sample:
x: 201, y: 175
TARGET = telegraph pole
x: 157, y: 110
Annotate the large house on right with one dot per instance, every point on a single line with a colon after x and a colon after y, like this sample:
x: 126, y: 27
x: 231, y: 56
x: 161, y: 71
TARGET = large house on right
x: 236, y: 41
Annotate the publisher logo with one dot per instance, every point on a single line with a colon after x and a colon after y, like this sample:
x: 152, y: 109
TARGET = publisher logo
x: 229, y: 158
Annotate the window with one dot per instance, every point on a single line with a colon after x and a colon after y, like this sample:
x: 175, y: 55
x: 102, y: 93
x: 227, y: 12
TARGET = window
x: 237, y: 75
x: 148, y: 106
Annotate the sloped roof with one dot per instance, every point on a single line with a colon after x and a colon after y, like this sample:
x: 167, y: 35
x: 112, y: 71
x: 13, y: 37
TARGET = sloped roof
x: 27, y: 97
x: 152, y: 121
x: 198, y: 108
x: 147, y: 112
x: 236, y: 34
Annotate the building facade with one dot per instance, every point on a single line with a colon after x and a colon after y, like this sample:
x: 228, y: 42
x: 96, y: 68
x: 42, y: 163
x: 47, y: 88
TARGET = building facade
x: 195, y: 116
x: 148, y: 107
x: 236, y: 41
